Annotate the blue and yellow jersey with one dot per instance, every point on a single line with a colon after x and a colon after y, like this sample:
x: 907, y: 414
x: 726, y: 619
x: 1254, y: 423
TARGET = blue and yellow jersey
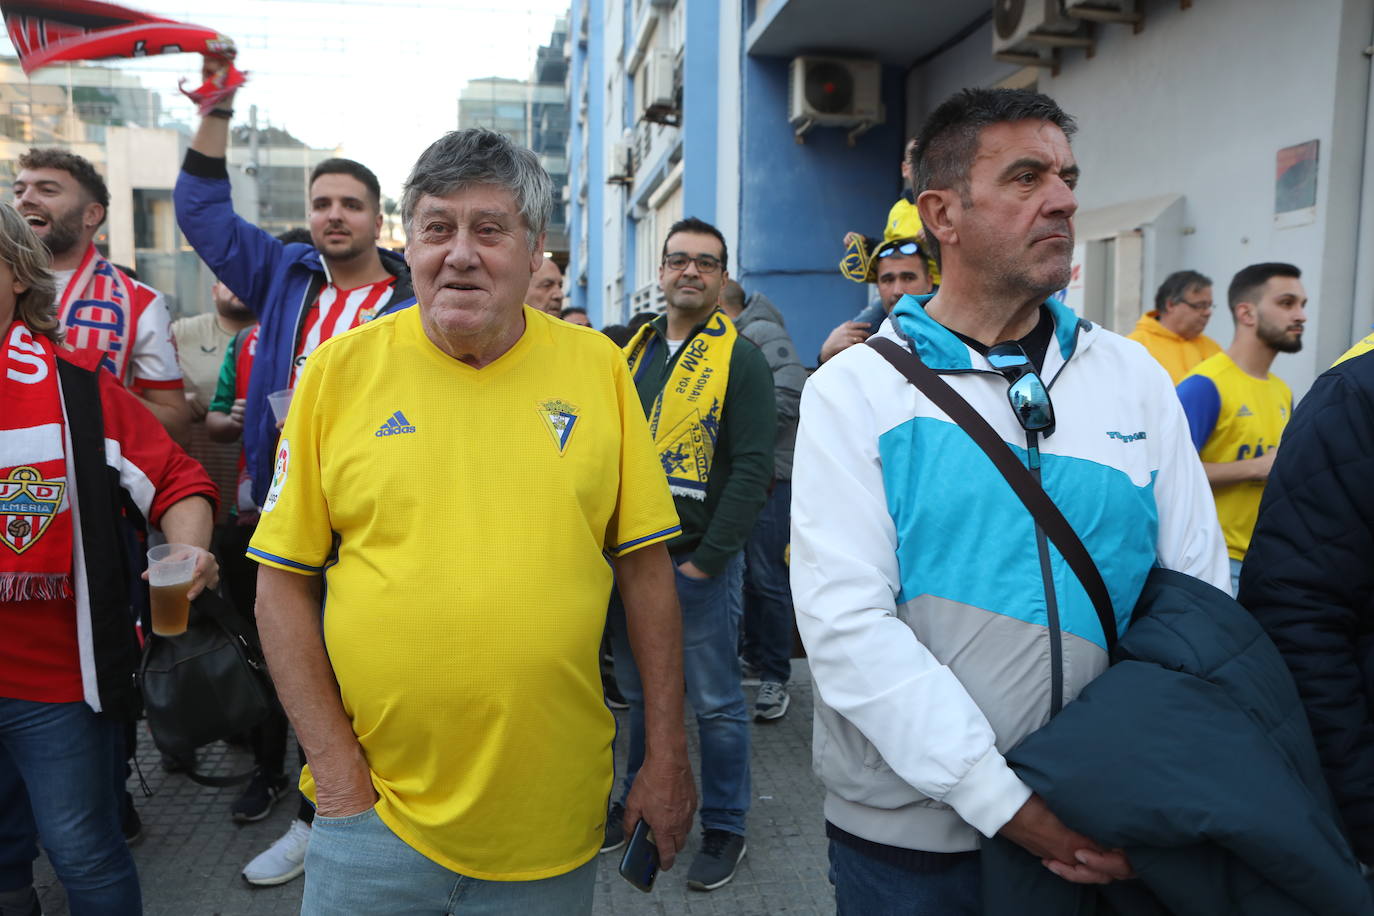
x: 1233, y: 416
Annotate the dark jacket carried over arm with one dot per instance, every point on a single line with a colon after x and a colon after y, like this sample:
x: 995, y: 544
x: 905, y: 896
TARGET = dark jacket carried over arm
x: 1191, y: 753
x: 1309, y: 578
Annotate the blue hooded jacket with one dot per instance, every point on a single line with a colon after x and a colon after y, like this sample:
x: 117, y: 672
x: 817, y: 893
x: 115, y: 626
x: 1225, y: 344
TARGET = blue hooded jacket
x: 276, y: 280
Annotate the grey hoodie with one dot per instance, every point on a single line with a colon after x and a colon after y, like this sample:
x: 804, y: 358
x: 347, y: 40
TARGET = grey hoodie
x: 761, y: 323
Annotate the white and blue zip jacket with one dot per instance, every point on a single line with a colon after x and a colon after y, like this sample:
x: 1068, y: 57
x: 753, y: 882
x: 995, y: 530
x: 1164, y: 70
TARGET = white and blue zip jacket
x: 941, y: 626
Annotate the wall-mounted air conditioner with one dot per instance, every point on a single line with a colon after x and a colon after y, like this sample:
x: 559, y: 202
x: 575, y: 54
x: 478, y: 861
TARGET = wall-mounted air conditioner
x: 657, y: 75
x: 618, y: 169
x: 834, y: 92
x: 1026, y: 25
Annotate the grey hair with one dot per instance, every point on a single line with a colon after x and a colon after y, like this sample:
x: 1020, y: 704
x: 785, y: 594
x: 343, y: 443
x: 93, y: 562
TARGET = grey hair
x: 465, y: 158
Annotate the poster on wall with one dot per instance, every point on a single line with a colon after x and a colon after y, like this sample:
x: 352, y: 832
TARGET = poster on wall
x: 1295, y: 185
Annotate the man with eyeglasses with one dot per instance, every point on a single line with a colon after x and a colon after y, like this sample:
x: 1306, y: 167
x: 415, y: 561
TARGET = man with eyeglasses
x: 1172, y: 331
x: 900, y: 268
x: 1237, y: 409
x: 708, y: 393
x: 940, y: 625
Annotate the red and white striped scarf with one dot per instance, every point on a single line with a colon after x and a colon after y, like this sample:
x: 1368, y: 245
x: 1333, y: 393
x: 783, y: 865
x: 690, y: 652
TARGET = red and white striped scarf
x: 35, y: 510
x: 97, y: 312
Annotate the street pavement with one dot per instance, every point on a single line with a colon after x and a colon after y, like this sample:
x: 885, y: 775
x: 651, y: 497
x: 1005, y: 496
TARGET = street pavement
x: 191, y: 854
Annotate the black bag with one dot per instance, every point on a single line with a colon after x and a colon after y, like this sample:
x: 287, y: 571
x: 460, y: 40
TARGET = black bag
x: 208, y: 684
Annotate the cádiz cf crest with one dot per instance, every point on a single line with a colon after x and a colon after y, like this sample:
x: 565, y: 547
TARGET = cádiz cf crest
x: 559, y: 419
x: 28, y: 504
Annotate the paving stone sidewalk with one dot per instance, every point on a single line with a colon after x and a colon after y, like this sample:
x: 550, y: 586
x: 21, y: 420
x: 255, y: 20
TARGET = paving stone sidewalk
x: 191, y: 854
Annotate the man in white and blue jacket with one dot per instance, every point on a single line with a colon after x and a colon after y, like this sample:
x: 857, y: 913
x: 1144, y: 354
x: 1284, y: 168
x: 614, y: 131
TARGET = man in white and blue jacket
x: 941, y: 625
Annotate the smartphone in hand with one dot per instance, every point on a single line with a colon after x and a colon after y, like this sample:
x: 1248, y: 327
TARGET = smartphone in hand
x: 639, y: 865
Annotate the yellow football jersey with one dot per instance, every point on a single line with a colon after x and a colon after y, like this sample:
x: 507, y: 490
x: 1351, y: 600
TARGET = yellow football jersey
x: 1233, y: 416
x: 461, y: 519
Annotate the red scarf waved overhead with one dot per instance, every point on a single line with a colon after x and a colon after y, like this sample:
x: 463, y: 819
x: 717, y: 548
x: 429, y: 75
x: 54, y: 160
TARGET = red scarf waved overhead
x: 35, y: 511
x: 53, y: 31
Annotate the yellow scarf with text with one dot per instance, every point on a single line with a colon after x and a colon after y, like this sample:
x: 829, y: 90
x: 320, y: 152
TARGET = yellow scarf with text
x: 685, y: 418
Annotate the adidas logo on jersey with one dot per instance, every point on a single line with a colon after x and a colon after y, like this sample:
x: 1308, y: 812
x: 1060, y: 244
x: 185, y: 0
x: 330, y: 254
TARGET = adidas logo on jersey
x: 1244, y: 411
x: 395, y: 425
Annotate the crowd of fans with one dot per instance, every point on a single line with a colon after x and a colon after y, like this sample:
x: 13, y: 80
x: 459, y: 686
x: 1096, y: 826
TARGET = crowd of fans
x: 454, y: 426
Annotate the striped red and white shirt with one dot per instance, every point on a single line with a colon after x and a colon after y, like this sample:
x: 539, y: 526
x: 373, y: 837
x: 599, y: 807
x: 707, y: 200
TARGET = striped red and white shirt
x: 335, y: 311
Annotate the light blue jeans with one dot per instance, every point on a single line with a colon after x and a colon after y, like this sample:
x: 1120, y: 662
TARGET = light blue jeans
x: 1235, y: 577
x: 355, y: 864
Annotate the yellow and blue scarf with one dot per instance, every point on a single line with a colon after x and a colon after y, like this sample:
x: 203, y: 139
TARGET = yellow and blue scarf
x: 685, y: 418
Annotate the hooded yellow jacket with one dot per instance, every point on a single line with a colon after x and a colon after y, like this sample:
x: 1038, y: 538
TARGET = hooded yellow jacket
x: 1176, y: 354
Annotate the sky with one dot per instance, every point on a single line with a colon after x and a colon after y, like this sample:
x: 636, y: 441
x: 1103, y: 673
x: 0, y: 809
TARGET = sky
x: 378, y: 77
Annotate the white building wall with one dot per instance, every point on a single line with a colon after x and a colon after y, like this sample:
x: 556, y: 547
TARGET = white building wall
x: 1198, y: 104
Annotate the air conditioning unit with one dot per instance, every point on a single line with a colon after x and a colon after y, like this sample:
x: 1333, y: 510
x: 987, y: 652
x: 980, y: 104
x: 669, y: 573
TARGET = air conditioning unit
x: 834, y: 92
x: 618, y: 162
x: 1027, y: 24
x: 654, y: 84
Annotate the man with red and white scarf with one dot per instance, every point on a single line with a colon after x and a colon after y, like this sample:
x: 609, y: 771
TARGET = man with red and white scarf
x: 100, y: 308
x: 78, y: 457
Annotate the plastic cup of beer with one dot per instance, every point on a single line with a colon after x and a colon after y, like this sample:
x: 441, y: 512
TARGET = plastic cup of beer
x: 171, y: 567
x: 281, y: 402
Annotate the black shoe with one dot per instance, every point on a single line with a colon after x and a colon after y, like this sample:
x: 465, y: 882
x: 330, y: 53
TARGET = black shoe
x: 130, y: 823
x: 714, y: 866
x: 615, y: 828
x: 257, y: 800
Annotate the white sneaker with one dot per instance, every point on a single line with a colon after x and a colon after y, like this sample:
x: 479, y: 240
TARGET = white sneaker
x: 283, y: 861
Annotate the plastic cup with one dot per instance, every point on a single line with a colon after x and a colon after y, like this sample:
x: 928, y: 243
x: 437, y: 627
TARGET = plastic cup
x: 171, y: 567
x: 281, y: 402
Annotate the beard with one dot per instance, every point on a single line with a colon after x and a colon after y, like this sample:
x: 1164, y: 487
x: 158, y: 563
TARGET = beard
x: 234, y: 311
x: 1279, y: 338
x: 64, y: 232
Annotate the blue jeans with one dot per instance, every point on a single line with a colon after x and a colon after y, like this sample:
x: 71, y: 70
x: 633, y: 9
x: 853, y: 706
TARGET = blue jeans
x: 64, y: 758
x: 355, y: 864
x: 947, y: 884
x: 1235, y: 576
x: 767, y: 590
x: 711, y: 610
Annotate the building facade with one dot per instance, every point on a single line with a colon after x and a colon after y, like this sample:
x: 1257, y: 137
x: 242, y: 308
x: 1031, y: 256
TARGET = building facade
x: 533, y: 113
x: 1190, y: 158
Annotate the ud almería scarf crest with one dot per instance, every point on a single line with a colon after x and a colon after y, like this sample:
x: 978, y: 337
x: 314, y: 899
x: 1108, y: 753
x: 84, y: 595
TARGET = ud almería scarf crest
x: 35, y: 515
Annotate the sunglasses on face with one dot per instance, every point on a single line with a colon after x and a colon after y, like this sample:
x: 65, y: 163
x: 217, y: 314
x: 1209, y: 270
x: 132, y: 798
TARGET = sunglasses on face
x: 906, y: 249
x: 1027, y: 394
x: 706, y: 264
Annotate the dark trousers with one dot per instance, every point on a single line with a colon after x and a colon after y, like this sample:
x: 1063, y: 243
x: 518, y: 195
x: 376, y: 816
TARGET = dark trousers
x: 767, y: 590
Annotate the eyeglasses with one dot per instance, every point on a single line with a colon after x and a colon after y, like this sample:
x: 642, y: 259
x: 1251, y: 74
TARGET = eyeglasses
x: 1027, y: 394
x: 906, y: 249
x: 1197, y: 306
x: 706, y: 264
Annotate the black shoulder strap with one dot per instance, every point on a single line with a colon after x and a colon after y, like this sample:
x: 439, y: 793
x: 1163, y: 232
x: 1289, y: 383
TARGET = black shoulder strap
x: 1026, y: 487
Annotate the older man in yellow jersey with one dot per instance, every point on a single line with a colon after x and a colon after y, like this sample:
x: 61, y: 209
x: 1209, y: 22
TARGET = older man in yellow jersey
x: 447, y: 693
